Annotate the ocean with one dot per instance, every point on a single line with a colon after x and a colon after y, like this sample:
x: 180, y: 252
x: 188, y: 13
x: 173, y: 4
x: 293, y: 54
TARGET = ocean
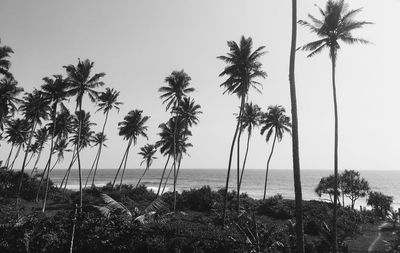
x: 279, y: 181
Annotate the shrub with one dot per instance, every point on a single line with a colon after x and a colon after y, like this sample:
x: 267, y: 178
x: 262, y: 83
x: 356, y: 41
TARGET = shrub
x: 276, y: 207
x: 201, y: 200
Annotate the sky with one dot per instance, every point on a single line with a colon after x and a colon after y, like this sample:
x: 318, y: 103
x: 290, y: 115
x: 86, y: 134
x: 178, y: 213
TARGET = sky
x: 138, y: 43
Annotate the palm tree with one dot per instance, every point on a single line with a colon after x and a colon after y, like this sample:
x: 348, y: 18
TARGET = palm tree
x: 131, y: 128
x: 8, y: 99
x: 60, y: 148
x: 35, y: 109
x: 178, y: 88
x: 82, y: 83
x: 295, y: 135
x: 336, y: 25
x: 16, y: 135
x: 147, y: 152
x: 243, y: 67
x: 97, y: 140
x: 5, y: 52
x: 274, y: 121
x: 250, y: 119
x: 108, y: 100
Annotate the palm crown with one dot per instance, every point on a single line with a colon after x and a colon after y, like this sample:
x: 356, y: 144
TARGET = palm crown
x: 178, y: 86
x: 251, y: 116
x: 5, y: 52
x: 275, y: 120
x: 35, y: 107
x: 173, y: 136
x: 337, y: 24
x: 108, y: 100
x: 99, y: 138
x: 243, y: 67
x: 147, y: 152
x: 133, y: 125
x: 188, y: 111
x: 86, y: 132
x: 16, y: 131
x: 8, y: 98
x: 81, y: 82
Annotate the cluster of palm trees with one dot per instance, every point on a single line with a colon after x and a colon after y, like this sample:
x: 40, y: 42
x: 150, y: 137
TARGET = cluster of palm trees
x: 46, y: 118
x: 243, y: 67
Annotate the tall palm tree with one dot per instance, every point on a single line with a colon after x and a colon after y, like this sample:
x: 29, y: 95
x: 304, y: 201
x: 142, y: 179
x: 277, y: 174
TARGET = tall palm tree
x: 97, y: 140
x: 295, y: 135
x: 337, y: 24
x: 147, y: 152
x: 5, y: 52
x: 60, y: 147
x: 274, y: 121
x: 243, y: 67
x: 81, y: 83
x: 8, y: 99
x: 250, y: 119
x: 35, y: 109
x: 108, y: 100
x: 131, y: 128
x: 16, y: 135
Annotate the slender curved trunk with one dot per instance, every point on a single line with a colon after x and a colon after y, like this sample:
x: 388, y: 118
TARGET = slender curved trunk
x: 140, y: 179
x: 15, y: 157
x: 238, y: 168
x: 91, y: 169
x: 30, y: 159
x: 122, y: 162
x: 335, y: 197
x: 162, y: 176
x: 174, y: 166
x: 25, y: 157
x: 295, y: 136
x: 166, y: 180
x: 79, y: 158
x: 73, y: 230
x: 176, y: 178
x: 73, y: 159
x: 267, y: 170
x: 230, y: 161
x: 100, y: 147
x: 123, y: 171
x: 9, y: 156
x: 245, y: 158
x: 50, y: 156
x: 36, y: 162
x: 41, y: 181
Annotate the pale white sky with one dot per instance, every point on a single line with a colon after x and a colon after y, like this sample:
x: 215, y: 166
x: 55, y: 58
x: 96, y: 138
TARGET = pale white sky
x: 138, y: 43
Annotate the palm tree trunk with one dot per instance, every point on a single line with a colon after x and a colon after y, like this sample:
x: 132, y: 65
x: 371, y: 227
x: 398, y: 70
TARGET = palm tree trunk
x: 30, y: 159
x: 123, y: 171
x: 73, y: 231
x: 140, y: 179
x: 245, y: 158
x: 50, y: 156
x: 101, y: 145
x: 335, y: 197
x: 230, y: 161
x: 41, y: 181
x: 295, y: 136
x: 176, y: 179
x: 162, y: 176
x: 91, y: 168
x: 15, y: 157
x: 36, y: 162
x: 174, y: 166
x: 166, y: 180
x: 269, y: 159
x: 73, y: 158
x: 9, y: 156
x: 122, y: 162
x: 25, y: 157
x: 238, y: 167
x: 79, y: 159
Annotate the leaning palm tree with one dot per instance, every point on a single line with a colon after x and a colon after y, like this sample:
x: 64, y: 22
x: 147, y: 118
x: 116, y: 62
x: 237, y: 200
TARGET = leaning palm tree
x: 243, y: 67
x: 250, y: 119
x: 81, y: 83
x: 8, y: 99
x: 97, y: 140
x: 295, y: 135
x: 35, y: 109
x: 147, y: 152
x: 274, y: 122
x: 337, y: 24
x: 131, y: 128
x: 108, y: 100
x: 5, y: 52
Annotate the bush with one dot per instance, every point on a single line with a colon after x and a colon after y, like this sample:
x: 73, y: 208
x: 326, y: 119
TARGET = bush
x: 201, y: 200
x: 277, y: 208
